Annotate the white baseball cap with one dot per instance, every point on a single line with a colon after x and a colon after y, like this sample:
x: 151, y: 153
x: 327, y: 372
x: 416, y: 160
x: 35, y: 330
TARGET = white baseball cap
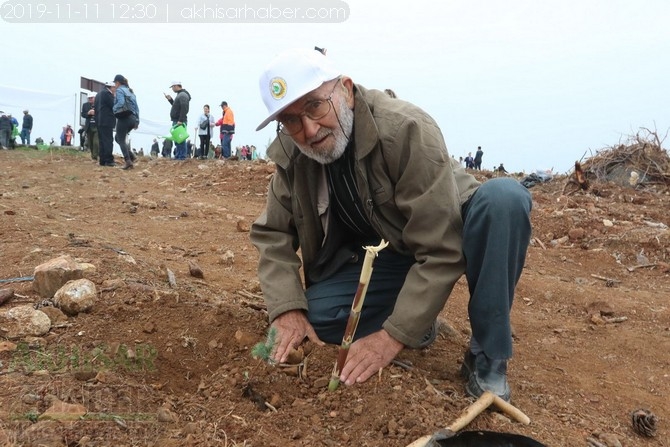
x: 291, y: 75
x: 175, y: 83
x: 91, y: 95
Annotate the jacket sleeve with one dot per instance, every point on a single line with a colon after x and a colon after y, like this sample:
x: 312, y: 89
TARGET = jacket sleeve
x: 425, y: 188
x: 137, y: 108
x: 275, y: 236
x: 182, y: 99
x: 119, y: 100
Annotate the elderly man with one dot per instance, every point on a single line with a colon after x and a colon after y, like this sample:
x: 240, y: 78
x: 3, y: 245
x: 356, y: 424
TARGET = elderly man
x: 355, y: 166
x: 90, y: 127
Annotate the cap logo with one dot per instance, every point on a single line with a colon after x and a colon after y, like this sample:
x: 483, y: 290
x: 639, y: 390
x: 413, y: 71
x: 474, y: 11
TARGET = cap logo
x: 277, y: 88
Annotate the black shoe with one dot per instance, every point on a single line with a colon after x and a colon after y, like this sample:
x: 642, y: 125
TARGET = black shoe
x: 485, y: 374
x: 111, y: 164
x: 128, y: 165
x: 430, y: 337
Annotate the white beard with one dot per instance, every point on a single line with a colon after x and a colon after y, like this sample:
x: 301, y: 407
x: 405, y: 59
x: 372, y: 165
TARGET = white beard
x: 341, y: 133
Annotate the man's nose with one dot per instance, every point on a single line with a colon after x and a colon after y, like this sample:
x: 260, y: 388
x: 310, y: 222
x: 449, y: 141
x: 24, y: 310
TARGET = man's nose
x: 309, y: 126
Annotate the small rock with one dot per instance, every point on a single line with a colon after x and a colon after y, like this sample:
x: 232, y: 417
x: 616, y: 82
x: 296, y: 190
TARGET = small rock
x: 295, y: 356
x: 149, y: 328
x: 195, y: 270
x: 321, y: 382
x: 245, y: 339
x: 213, y: 344
x: 84, y: 376
x: 7, y: 346
x: 56, y: 316
x: 608, y: 223
x: 61, y: 411
x: 76, y: 296
x: 165, y: 415
x: 610, y: 439
x: 228, y: 258
x: 275, y: 400
x: 190, y: 429
x: 53, y: 274
x: 576, y: 234
x: 6, y: 295
x: 113, y: 284
x: 24, y: 321
x: 242, y: 226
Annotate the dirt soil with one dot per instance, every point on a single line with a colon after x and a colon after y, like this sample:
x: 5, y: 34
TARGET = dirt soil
x: 161, y: 365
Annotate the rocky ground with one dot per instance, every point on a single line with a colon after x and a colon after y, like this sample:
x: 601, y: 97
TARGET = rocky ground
x: 164, y: 360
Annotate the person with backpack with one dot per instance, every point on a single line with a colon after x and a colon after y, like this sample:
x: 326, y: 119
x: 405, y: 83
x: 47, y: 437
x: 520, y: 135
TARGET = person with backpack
x: 127, y: 114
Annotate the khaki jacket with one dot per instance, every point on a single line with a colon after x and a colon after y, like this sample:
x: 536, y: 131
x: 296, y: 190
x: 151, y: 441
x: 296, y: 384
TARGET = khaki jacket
x: 412, y: 190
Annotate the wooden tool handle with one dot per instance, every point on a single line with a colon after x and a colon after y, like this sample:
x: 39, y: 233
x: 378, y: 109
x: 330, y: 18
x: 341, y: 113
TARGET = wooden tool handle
x: 474, y: 410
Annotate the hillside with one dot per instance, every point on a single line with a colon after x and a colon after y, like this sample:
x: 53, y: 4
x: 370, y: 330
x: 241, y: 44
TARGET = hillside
x: 169, y: 365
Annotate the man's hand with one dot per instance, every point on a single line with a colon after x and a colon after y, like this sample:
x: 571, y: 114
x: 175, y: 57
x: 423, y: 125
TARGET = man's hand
x: 368, y: 355
x: 292, y: 327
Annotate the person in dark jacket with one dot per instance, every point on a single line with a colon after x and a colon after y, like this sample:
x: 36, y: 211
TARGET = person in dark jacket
x: 105, y: 120
x: 155, y: 149
x: 166, y: 152
x: 90, y: 127
x: 5, y: 130
x: 478, y: 158
x: 26, y: 128
x: 178, y: 115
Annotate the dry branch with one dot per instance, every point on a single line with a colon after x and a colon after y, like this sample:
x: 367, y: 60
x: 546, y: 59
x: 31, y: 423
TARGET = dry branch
x: 641, y: 157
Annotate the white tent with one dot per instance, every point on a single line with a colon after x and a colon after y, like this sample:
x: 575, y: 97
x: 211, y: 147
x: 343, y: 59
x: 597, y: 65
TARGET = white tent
x: 52, y: 111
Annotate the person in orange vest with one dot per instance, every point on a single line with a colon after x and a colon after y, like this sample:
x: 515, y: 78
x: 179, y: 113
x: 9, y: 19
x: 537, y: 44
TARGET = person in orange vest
x: 227, y: 123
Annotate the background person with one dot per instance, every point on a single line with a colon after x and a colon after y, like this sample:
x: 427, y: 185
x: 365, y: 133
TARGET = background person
x: 5, y: 130
x: 127, y: 114
x: 105, y: 122
x: 26, y: 128
x: 227, y: 123
x: 478, y: 158
x: 205, y: 124
x: 178, y: 115
x: 90, y: 127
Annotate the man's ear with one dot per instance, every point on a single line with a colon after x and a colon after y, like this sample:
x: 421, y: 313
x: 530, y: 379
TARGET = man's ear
x: 348, y: 85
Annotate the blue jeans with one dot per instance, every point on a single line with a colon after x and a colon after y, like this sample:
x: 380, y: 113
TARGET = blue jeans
x: 180, y: 148
x: 25, y: 136
x: 496, y: 233
x: 226, y: 139
x: 123, y: 128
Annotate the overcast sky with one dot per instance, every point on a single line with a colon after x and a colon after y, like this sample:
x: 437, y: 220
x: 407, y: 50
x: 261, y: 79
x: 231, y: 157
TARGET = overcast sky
x: 535, y: 83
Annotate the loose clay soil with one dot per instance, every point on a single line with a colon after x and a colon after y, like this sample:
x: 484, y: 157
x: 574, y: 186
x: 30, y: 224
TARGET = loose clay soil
x: 161, y: 365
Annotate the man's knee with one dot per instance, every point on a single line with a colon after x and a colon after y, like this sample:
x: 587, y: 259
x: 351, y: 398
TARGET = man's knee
x: 504, y: 195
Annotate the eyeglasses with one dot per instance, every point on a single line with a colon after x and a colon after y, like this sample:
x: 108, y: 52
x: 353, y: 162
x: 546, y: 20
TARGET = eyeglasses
x: 314, y: 110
